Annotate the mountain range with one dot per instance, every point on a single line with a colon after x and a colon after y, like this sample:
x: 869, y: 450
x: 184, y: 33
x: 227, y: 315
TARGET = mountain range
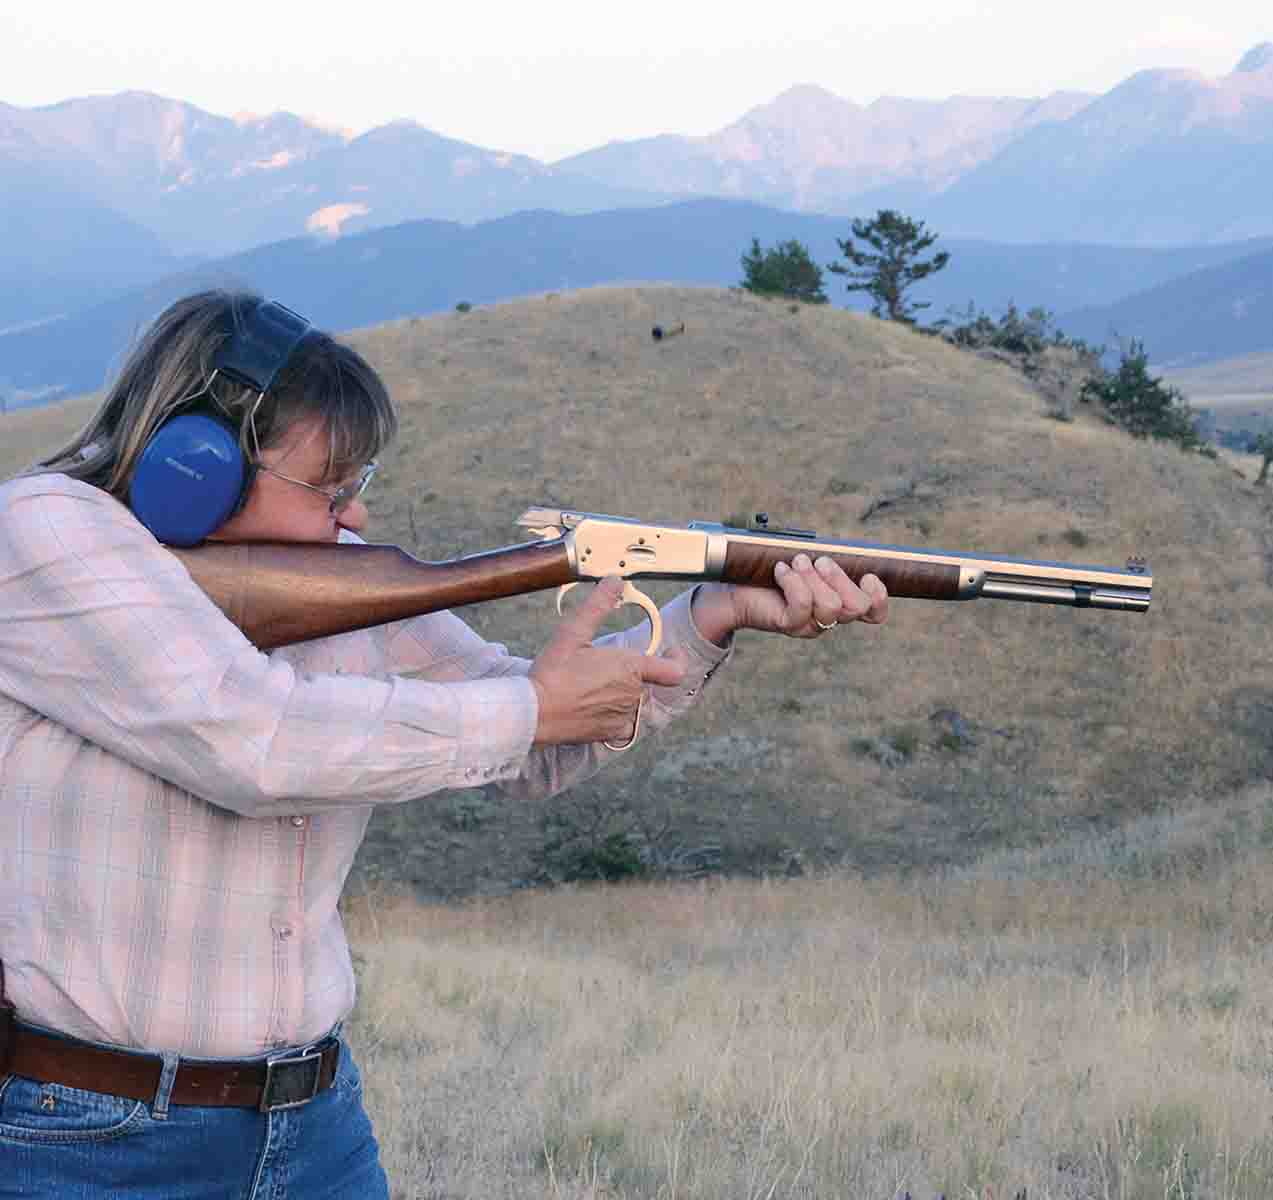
x: 99, y: 193
x: 1076, y: 203
x: 812, y: 151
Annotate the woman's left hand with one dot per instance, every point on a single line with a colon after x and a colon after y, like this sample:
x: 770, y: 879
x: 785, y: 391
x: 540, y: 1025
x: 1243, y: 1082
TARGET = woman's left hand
x: 812, y: 597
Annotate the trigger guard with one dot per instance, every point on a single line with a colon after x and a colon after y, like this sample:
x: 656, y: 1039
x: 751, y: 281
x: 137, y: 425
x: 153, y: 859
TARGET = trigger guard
x: 632, y: 595
x: 561, y: 595
x: 629, y: 595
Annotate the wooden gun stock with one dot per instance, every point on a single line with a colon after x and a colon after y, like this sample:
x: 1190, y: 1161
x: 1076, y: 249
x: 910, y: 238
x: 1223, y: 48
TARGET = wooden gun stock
x: 279, y: 593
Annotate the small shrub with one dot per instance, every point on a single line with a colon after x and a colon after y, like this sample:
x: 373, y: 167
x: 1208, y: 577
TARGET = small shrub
x: 573, y: 855
x: 843, y: 487
x: 463, y: 307
x: 1015, y: 332
x: 466, y: 811
x: 905, y: 741
x: 1143, y: 405
x: 784, y: 270
x: 617, y: 857
x: 1263, y: 446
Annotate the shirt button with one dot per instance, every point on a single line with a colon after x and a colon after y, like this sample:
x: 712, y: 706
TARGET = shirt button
x: 299, y: 822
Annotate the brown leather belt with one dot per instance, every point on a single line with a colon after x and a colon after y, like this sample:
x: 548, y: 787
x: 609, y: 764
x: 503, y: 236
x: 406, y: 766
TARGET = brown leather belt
x: 268, y: 1086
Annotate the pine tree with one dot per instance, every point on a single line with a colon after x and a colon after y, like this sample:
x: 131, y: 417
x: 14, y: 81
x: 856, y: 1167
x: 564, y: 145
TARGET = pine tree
x: 895, y: 265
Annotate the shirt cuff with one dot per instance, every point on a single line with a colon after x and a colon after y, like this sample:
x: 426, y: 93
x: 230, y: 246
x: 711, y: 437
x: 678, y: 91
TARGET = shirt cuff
x: 705, y: 656
x: 494, y: 726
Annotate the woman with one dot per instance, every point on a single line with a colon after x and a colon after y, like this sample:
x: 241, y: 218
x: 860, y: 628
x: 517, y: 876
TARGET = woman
x: 180, y: 811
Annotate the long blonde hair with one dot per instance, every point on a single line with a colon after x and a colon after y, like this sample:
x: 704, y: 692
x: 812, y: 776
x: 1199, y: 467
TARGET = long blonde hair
x: 170, y: 369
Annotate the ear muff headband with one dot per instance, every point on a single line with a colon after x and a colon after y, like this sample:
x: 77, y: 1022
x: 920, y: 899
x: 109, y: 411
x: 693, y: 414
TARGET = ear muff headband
x: 192, y: 476
x: 260, y: 345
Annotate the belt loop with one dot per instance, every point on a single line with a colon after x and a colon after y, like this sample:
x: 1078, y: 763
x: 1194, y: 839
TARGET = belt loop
x: 163, y: 1093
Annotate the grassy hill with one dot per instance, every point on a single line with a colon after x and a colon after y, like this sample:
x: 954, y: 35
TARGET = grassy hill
x: 954, y: 729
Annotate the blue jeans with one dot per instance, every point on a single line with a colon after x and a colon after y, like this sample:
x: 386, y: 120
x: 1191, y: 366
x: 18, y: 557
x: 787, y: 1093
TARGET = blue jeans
x: 70, y: 1144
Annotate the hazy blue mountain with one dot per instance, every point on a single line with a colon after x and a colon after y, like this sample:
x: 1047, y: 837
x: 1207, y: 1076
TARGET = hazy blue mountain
x: 1165, y: 157
x: 812, y: 151
x: 213, y: 185
x: 423, y: 267
x: 101, y: 193
x: 1217, y: 312
x: 61, y: 248
x: 147, y: 149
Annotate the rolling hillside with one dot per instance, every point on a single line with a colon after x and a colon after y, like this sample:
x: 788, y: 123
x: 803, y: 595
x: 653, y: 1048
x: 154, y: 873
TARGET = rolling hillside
x: 953, y: 729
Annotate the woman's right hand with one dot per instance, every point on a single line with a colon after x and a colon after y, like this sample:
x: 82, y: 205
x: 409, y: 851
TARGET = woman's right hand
x: 590, y: 693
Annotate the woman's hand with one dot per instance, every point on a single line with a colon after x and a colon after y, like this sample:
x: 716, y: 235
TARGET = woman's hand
x: 812, y: 597
x: 591, y: 693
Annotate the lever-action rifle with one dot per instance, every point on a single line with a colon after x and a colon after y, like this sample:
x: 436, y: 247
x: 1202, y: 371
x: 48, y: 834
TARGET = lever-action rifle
x: 279, y: 593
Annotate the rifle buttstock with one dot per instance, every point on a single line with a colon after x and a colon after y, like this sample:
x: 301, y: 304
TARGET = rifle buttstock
x: 280, y: 593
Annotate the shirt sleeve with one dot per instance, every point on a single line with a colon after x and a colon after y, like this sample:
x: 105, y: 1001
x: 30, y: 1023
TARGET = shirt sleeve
x: 105, y: 634
x: 441, y: 647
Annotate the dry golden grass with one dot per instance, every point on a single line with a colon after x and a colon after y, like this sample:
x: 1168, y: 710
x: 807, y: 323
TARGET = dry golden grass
x: 828, y: 750
x: 1089, y: 1023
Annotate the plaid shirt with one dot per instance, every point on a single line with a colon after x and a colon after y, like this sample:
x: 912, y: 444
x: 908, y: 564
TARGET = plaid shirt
x: 178, y: 811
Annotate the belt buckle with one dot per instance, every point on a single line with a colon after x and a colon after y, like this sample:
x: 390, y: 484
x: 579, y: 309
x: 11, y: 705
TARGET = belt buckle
x: 297, y: 1087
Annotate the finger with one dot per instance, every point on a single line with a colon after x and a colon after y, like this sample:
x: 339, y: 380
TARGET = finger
x: 874, y: 587
x: 664, y: 670
x: 853, y: 603
x: 796, y: 592
x: 827, y: 602
x: 582, y: 625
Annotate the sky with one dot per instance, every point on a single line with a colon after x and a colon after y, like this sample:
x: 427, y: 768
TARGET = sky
x: 557, y: 77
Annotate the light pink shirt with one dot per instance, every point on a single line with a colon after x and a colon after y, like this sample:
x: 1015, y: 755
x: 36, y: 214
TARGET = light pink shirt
x: 178, y: 811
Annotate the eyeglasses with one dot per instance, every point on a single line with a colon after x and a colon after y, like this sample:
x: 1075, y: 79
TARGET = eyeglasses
x: 342, y: 497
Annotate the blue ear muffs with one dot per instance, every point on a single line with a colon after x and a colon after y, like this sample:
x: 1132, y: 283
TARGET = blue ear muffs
x: 192, y: 476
